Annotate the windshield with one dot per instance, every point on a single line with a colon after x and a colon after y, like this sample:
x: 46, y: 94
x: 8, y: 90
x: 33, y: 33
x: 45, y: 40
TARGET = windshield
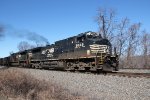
x: 92, y: 35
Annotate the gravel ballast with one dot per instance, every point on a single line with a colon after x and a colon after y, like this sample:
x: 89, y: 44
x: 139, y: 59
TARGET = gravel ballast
x: 96, y: 87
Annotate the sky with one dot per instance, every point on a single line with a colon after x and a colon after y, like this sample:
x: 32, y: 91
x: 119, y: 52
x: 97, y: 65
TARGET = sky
x: 60, y: 19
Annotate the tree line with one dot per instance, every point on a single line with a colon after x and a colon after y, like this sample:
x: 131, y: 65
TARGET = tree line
x: 132, y: 43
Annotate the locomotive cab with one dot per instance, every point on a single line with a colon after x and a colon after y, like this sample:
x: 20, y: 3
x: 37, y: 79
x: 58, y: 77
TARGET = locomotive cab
x: 91, y: 52
x: 99, y: 49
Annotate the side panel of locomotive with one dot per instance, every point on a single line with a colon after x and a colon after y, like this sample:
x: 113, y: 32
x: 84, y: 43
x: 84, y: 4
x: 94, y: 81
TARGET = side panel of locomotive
x: 49, y: 57
x: 14, y: 59
x: 87, y: 51
x: 1, y: 61
x: 45, y: 57
x: 5, y: 61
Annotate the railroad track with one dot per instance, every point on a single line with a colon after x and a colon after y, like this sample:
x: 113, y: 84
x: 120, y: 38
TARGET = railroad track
x: 120, y: 74
x: 129, y: 74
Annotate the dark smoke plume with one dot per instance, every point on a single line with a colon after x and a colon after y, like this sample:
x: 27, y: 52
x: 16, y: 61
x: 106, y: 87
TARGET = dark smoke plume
x: 31, y: 36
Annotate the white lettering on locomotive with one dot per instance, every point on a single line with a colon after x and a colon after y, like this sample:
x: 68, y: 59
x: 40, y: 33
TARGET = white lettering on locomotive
x: 80, y: 45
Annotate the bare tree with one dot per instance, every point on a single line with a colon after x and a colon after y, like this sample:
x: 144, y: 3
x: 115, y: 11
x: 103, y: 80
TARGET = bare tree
x: 106, y: 22
x: 121, y: 36
x: 132, y: 42
x: 145, y: 43
x: 24, y: 46
x: 126, y: 37
x: 120, y: 40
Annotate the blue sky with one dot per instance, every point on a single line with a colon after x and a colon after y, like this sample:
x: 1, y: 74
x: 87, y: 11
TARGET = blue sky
x: 59, y: 19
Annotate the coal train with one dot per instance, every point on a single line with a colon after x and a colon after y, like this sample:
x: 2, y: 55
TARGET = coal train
x: 85, y: 51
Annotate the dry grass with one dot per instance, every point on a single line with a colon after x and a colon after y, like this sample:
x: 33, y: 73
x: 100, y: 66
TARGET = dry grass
x: 14, y: 84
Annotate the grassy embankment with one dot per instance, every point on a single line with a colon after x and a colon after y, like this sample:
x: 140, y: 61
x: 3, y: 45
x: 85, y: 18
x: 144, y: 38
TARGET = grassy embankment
x: 14, y: 84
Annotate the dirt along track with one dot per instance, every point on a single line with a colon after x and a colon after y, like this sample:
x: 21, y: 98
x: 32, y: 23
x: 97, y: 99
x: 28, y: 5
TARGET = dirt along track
x: 122, y: 73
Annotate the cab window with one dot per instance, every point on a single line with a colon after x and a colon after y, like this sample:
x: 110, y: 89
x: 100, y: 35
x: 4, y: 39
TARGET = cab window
x: 81, y: 38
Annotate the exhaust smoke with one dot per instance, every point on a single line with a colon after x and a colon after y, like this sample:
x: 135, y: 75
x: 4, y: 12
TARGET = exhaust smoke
x: 31, y: 36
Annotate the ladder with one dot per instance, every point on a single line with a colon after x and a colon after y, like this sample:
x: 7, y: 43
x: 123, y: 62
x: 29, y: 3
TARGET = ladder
x: 101, y: 58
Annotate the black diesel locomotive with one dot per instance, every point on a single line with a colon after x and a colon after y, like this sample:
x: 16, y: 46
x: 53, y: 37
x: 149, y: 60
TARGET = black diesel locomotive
x: 86, y: 51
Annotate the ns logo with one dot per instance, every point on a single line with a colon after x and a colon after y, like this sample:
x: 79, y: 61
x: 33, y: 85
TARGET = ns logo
x: 48, y: 52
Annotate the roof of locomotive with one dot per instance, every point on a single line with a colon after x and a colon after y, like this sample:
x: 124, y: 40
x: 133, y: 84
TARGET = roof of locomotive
x: 73, y: 37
